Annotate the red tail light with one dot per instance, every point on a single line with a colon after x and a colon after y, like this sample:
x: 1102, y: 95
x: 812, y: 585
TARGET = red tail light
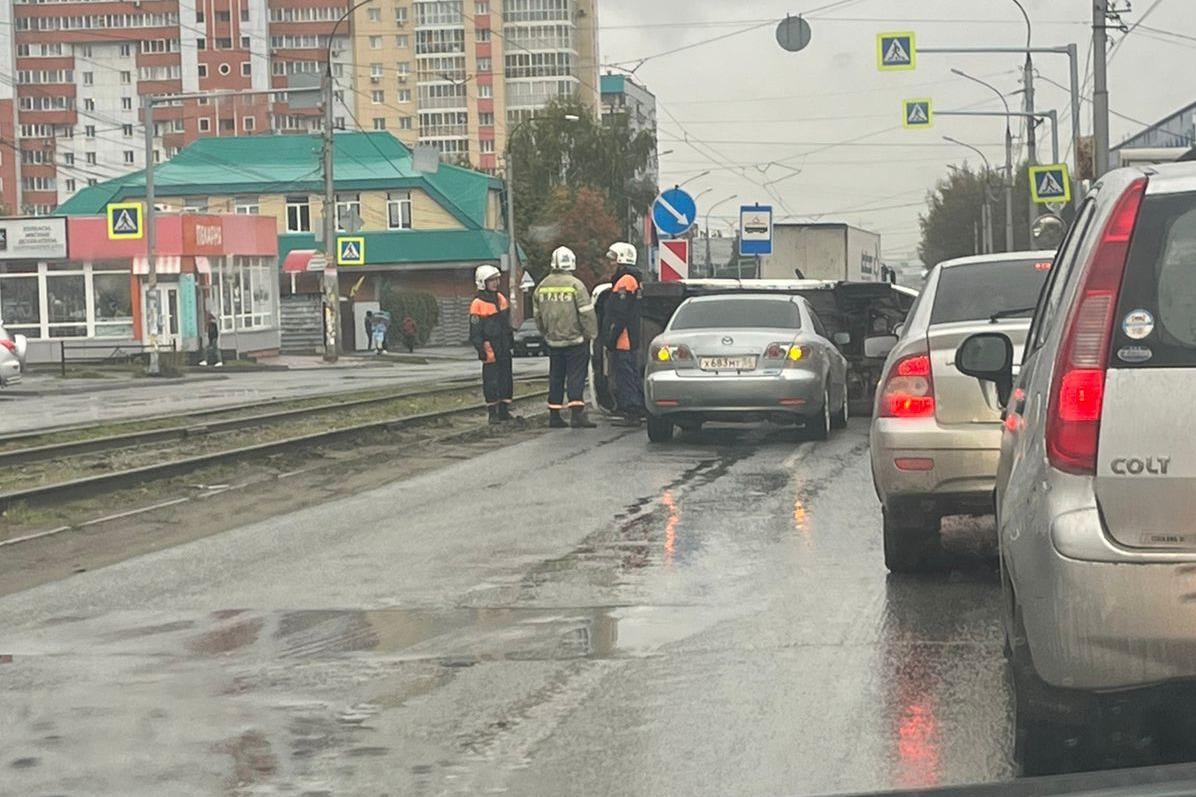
x: 908, y: 391
x: 8, y: 344
x: 1078, y: 383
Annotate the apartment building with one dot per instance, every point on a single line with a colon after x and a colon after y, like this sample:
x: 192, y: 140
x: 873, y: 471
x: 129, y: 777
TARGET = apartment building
x: 451, y: 73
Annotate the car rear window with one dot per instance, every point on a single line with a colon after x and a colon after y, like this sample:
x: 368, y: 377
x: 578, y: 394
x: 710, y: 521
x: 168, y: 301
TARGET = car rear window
x: 981, y: 290
x: 1156, y: 318
x: 737, y: 314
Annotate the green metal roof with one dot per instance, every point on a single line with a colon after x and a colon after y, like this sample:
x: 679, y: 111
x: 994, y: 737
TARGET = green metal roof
x: 280, y: 164
x: 409, y: 247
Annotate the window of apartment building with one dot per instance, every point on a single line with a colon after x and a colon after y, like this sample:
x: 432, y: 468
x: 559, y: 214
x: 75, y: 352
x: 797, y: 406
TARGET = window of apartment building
x: 486, y: 119
x: 201, y: 43
x: 203, y: 70
x: 92, y: 181
x: 126, y: 77
x: 402, y: 41
x: 298, y: 214
x: 177, y: 125
x: 481, y: 7
x: 90, y: 157
x: 247, y: 205
x: 89, y: 78
x: 403, y: 68
x: 486, y: 145
x: 86, y: 50
x: 377, y: 97
x: 485, y: 90
x: 223, y: 16
x: 126, y: 103
x: 224, y: 69
x: 246, y: 69
x: 347, y: 205
x: 224, y: 43
x: 248, y: 123
x: 126, y: 50
x: 483, y: 34
x: 203, y: 100
x: 401, y: 15
x: 398, y: 210
x: 89, y: 131
x: 375, y: 42
x: 89, y: 104
x: 379, y: 123
x: 439, y: 40
x: 245, y: 14
x: 205, y: 125
x: 374, y: 14
x: 195, y: 204
x: 199, y: 17
x: 245, y: 43
x: 485, y: 65
x: 444, y: 12
x: 228, y: 125
x: 405, y: 123
x: 375, y: 70
x: 404, y: 95
x: 128, y: 155
x: 70, y: 185
x: 68, y: 158
x: 339, y: 95
x: 126, y: 131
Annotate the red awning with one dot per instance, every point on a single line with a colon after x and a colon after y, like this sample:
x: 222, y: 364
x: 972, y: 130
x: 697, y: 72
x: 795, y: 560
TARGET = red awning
x: 298, y: 261
x: 163, y: 264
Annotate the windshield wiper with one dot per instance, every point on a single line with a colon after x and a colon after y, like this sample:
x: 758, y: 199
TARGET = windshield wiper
x: 997, y: 316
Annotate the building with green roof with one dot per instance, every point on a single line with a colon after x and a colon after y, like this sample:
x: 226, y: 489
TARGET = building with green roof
x: 423, y: 231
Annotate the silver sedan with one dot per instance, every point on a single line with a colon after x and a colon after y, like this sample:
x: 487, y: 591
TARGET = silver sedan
x: 745, y: 358
x: 12, y: 357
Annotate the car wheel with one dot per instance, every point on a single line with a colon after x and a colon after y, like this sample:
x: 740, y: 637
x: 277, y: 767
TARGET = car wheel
x: 839, y: 419
x: 912, y: 543
x: 818, y: 427
x: 660, y: 430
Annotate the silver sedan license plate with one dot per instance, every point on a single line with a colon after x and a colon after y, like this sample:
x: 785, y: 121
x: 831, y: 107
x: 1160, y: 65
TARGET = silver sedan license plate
x: 746, y: 363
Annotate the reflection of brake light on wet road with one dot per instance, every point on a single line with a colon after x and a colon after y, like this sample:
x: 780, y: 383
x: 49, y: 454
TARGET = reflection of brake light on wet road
x: 918, y: 746
x: 800, y: 518
x: 670, y: 526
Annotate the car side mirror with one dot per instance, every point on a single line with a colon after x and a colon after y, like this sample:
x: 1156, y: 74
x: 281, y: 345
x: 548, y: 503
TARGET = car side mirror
x: 879, y: 345
x: 988, y: 356
x: 842, y: 338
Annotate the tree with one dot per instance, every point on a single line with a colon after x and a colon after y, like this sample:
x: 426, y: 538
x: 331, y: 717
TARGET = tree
x: 554, y: 151
x: 953, y: 214
x: 579, y: 220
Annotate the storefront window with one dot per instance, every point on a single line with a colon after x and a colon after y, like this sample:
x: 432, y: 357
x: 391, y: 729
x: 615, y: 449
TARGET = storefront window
x: 20, y: 305
x: 246, y: 288
x: 66, y: 303
x: 112, y: 304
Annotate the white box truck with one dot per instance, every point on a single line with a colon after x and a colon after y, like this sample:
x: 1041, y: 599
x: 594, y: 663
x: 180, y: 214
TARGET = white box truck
x: 831, y: 251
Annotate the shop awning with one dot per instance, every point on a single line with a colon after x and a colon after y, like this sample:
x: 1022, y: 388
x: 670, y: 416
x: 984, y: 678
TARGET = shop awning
x: 203, y: 265
x: 298, y: 261
x: 163, y: 264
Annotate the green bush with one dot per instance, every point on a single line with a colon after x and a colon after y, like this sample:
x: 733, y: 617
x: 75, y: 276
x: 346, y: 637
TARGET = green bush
x: 422, y: 308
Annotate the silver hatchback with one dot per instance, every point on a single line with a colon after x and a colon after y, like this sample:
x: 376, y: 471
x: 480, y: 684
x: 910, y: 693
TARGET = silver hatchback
x: 1096, y: 488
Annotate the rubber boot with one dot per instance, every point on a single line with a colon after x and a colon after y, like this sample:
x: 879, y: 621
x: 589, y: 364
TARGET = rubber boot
x: 555, y: 421
x: 578, y: 419
x: 504, y: 413
x: 492, y: 412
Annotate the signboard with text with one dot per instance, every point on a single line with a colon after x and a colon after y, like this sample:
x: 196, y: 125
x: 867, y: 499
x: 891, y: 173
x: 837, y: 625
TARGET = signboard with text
x: 39, y: 238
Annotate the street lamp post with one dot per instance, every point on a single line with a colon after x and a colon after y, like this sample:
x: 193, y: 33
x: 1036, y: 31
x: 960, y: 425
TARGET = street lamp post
x: 709, y: 265
x: 515, y: 275
x: 1031, y: 132
x: 986, y: 209
x: 1008, y: 157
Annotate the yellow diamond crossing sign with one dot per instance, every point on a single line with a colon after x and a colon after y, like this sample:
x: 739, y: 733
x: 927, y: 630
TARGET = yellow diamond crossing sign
x: 896, y: 52
x: 125, y: 221
x: 1050, y: 184
x: 917, y: 113
x: 350, y: 251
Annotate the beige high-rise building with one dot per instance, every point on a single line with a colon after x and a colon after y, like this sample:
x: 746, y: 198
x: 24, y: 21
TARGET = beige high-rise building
x: 460, y: 74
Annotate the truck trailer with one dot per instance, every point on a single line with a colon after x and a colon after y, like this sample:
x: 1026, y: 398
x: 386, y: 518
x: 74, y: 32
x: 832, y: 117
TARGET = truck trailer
x: 831, y: 251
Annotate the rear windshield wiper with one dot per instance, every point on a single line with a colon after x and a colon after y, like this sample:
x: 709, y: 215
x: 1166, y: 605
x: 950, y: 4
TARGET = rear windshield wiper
x: 997, y: 316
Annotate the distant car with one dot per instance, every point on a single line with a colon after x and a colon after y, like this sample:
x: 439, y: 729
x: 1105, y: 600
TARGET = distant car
x: 12, y: 357
x: 1096, y: 488
x: 528, y: 340
x: 743, y: 358
x: 936, y: 435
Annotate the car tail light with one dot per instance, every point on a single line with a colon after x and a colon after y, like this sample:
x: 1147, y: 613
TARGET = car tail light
x: 908, y: 391
x: 1078, y: 382
x: 665, y: 353
x: 8, y: 344
x: 789, y: 352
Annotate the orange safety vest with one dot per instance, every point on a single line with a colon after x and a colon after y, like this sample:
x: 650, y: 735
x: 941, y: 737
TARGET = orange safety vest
x: 626, y: 284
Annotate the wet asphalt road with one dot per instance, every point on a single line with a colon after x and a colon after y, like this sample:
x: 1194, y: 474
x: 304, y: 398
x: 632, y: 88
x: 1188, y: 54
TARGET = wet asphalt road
x: 578, y: 614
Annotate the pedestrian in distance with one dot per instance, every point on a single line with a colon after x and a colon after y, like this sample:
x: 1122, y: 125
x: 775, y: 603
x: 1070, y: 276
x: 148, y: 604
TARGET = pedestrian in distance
x: 621, y: 335
x: 381, y: 326
x: 565, y: 317
x: 490, y: 333
x: 369, y: 329
x: 213, y: 355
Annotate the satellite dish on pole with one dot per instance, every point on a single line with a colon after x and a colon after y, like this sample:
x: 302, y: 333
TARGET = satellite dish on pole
x: 793, y: 33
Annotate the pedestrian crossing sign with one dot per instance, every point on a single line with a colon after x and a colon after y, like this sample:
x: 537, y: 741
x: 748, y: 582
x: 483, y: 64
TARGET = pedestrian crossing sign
x: 125, y: 221
x: 896, y: 51
x: 1050, y: 184
x: 350, y: 251
x: 917, y: 113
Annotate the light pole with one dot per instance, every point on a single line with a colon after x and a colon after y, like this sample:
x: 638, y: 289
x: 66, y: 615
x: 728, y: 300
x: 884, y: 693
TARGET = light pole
x: 516, y: 275
x: 332, y: 308
x: 986, y: 209
x: 1008, y: 157
x: 690, y: 180
x: 709, y: 265
x: 1031, y: 132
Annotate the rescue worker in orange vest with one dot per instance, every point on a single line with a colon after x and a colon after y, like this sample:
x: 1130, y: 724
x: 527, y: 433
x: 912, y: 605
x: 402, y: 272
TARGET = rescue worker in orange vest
x: 490, y: 333
x: 622, y: 334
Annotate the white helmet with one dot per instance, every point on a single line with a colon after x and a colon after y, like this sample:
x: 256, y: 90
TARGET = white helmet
x: 622, y: 253
x: 483, y: 274
x: 563, y: 259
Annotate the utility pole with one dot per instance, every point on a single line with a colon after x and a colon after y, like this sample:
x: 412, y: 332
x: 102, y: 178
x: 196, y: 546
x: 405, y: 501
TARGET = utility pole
x: 152, y: 300
x: 1100, y: 88
x: 332, y: 314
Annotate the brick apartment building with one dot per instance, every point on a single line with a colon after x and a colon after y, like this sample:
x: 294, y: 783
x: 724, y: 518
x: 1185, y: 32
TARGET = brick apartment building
x: 455, y: 74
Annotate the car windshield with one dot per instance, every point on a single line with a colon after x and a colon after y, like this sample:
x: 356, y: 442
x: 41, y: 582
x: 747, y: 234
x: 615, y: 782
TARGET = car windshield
x: 731, y: 313
x: 979, y: 291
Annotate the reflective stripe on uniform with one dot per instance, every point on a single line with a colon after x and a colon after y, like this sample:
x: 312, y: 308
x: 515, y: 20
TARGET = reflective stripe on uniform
x: 573, y: 404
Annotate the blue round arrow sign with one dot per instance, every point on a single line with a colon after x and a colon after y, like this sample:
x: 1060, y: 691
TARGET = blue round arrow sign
x: 674, y: 212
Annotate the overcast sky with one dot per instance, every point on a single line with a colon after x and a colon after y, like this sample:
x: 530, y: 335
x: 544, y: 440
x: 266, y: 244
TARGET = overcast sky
x: 745, y: 102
